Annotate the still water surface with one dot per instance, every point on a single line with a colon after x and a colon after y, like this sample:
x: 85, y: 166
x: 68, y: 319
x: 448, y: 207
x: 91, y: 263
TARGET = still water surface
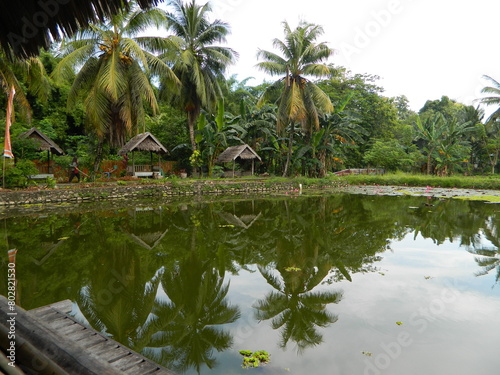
x: 340, y: 284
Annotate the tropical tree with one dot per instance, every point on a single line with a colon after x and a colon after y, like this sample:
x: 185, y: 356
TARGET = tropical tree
x: 115, y: 66
x: 430, y: 130
x: 14, y: 72
x: 198, y: 63
x: 492, y: 135
x: 493, y: 97
x: 215, y: 135
x: 492, y: 125
x: 299, y: 99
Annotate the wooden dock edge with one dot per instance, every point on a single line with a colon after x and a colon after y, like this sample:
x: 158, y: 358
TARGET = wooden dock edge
x: 47, y: 351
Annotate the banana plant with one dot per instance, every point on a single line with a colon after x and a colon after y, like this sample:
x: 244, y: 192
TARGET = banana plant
x: 215, y: 135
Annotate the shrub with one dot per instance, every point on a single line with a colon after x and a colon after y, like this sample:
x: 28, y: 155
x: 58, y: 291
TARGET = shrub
x: 18, y: 175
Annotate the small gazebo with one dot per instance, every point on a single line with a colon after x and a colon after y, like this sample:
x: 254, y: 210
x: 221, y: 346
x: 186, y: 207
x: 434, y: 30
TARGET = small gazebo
x: 244, y: 152
x: 43, y: 143
x: 143, y: 142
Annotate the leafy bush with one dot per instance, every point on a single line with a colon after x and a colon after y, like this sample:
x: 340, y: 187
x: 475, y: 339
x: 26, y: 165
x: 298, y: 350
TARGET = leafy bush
x: 18, y: 175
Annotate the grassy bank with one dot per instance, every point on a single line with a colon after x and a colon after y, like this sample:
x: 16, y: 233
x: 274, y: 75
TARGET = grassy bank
x: 404, y: 179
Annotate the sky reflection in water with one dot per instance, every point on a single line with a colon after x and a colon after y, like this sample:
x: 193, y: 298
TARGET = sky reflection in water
x: 321, y: 283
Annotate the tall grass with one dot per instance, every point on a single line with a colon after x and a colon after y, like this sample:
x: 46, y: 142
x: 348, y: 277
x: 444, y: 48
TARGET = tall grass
x: 405, y: 179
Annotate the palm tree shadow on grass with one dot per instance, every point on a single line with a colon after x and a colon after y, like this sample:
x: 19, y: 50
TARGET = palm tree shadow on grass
x: 294, y: 307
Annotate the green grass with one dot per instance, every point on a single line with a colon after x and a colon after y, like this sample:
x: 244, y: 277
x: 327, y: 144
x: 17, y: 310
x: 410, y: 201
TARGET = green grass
x: 485, y: 198
x: 405, y: 179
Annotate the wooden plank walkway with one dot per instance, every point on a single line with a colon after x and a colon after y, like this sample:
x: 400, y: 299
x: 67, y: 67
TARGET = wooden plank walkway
x: 73, y: 348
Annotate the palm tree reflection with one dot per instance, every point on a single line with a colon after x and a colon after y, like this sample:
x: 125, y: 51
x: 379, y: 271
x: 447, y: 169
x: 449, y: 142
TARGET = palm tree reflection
x: 294, y: 307
x: 489, y: 260
x: 197, y: 300
x: 120, y: 295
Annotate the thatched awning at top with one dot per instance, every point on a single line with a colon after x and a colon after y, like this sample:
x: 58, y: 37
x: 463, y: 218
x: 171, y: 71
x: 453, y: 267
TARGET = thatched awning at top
x: 43, y: 142
x: 143, y: 142
x: 244, y: 152
x: 28, y: 25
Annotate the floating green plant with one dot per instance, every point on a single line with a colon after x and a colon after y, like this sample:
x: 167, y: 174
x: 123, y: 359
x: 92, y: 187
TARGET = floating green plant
x: 254, y: 359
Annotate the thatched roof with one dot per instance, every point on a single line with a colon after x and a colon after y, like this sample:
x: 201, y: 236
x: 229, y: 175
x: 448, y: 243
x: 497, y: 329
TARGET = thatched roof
x: 28, y: 25
x: 232, y: 153
x: 143, y: 142
x: 245, y: 221
x: 44, y: 143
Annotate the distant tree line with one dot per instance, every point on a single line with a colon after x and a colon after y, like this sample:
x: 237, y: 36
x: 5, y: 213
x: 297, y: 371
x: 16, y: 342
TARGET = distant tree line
x: 94, y: 91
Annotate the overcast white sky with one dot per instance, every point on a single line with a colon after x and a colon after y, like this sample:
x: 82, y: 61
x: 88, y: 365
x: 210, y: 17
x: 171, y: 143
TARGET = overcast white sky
x: 420, y: 48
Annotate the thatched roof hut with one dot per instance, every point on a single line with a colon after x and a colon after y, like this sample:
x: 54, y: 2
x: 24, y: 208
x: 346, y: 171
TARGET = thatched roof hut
x: 243, y: 152
x: 143, y: 142
x: 44, y: 143
x: 28, y: 25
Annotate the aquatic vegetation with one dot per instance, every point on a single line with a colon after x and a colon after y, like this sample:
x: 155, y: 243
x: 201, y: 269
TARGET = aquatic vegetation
x: 254, y: 359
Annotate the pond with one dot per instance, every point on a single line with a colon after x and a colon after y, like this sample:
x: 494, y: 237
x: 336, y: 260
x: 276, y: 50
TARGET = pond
x: 338, y: 284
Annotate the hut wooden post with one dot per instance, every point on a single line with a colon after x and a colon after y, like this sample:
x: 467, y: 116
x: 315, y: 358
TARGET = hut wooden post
x: 234, y: 165
x: 133, y: 164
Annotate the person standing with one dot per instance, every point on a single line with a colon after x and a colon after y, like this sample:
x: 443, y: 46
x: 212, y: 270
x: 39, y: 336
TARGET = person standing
x: 75, y: 172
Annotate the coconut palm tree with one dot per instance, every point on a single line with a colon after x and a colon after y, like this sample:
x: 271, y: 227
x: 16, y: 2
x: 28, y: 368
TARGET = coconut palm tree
x: 493, y: 97
x: 114, y: 69
x: 30, y: 71
x: 299, y: 99
x: 198, y: 63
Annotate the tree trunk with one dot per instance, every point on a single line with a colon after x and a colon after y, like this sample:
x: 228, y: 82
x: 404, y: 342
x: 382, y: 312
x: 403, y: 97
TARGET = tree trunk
x: 429, y: 163
x: 98, y: 157
x: 322, y: 161
x: 289, y: 155
x: 192, y: 118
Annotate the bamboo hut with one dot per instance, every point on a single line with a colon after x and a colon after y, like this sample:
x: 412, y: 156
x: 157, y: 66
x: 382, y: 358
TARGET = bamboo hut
x: 43, y: 143
x: 144, y: 142
x: 243, y: 152
x: 28, y: 25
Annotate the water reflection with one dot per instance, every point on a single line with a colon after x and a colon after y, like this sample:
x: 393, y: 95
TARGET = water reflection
x: 120, y: 296
x: 157, y: 278
x: 189, y: 323
x: 294, y: 307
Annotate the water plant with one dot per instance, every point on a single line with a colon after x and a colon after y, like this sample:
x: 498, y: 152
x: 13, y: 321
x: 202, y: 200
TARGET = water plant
x: 254, y: 359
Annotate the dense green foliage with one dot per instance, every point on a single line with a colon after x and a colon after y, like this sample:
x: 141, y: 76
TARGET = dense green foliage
x: 317, y: 118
